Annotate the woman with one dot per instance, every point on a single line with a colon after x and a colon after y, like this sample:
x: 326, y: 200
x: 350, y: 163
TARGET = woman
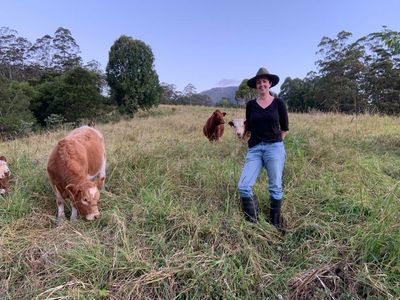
x: 267, y: 120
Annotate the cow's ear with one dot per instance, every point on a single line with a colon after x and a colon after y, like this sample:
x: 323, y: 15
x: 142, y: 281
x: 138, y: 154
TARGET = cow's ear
x: 231, y: 123
x: 3, y: 158
x: 224, y: 114
x: 72, y: 192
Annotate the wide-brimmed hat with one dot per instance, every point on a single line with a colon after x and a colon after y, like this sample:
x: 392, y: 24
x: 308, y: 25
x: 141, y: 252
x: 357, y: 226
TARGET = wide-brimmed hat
x: 263, y: 72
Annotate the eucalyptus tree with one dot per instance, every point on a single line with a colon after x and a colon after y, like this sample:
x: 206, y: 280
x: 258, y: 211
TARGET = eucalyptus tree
x: 130, y: 72
x: 14, y: 52
x: 382, y: 78
x: 169, y: 93
x: 391, y: 38
x: 340, y: 71
x: 65, y: 50
x: 189, y: 91
x: 95, y: 67
x: 41, y: 52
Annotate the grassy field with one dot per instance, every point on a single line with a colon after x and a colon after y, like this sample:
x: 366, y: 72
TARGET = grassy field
x: 172, y: 227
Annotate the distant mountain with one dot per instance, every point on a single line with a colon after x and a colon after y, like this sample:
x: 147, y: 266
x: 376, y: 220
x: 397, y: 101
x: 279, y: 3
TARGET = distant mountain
x: 216, y: 94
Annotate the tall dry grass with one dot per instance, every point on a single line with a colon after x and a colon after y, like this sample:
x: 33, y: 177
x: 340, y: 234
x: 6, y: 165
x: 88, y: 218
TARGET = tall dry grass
x: 171, y: 225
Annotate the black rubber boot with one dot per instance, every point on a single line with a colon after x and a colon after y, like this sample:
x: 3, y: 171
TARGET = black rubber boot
x: 250, y: 208
x: 275, y: 213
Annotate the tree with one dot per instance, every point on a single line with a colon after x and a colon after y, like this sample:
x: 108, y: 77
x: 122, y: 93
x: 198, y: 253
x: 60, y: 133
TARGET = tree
x: 341, y: 71
x: 225, y: 102
x: 198, y: 99
x: 131, y: 76
x: 73, y: 95
x: 189, y: 91
x: 381, y: 84
x: 41, y: 52
x: 169, y: 93
x: 15, y: 116
x: 298, y: 94
x: 95, y: 67
x: 391, y: 39
x: 13, y: 54
x: 66, y: 50
x: 244, y: 92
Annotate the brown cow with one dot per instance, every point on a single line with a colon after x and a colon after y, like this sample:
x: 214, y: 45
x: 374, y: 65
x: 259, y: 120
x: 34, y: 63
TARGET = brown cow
x: 76, y: 169
x: 4, y: 176
x: 214, y: 127
x: 240, y: 128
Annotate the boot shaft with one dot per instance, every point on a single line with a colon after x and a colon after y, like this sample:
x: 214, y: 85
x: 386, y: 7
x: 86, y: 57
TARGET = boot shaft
x: 250, y: 208
x: 275, y: 213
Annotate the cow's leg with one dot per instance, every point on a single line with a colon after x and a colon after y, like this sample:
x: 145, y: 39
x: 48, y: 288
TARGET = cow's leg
x: 60, y: 206
x: 74, y: 213
x: 103, y: 173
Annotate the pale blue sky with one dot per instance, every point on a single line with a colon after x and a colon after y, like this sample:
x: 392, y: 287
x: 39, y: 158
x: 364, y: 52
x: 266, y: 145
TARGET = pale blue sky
x: 207, y: 43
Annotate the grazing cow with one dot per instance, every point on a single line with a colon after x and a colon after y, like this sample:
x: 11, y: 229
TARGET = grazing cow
x: 239, y: 125
x: 4, y: 176
x: 214, y: 127
x: 76, y: 169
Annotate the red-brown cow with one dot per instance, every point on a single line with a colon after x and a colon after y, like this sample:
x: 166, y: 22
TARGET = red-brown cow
x: 4, y: 176
x: 76, y: 168
x: 214, y: 127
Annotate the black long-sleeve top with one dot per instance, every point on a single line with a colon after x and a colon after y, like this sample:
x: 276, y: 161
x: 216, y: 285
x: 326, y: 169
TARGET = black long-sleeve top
x: 266, y: 124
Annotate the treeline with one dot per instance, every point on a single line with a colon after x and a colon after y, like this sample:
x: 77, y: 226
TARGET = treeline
x: 189, y: 96
x: 351, y: 77
x: 46, y: 83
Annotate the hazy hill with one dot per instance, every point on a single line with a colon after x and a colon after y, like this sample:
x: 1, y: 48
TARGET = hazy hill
x: 216, y: 94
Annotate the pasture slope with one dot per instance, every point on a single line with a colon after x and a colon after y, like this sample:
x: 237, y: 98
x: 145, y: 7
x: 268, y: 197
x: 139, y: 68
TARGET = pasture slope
x: 171, y: 224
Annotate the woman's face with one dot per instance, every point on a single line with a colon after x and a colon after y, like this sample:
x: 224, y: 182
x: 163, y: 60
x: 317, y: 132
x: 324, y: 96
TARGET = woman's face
x: 263, y: 85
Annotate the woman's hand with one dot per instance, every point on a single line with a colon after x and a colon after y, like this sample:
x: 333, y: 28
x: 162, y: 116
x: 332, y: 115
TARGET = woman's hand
x: 283, y: 134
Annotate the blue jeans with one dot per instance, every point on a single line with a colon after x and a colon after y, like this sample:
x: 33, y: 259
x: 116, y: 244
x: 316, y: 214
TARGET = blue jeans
x: 271, y: 156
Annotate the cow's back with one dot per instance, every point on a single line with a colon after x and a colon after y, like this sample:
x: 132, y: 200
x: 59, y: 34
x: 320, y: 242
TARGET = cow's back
x: 79, y: 155
x: 92, y: 141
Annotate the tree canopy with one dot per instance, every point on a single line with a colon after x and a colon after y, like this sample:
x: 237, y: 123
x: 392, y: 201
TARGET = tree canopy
x: 352, y: 76
x: 73, y: 95
x: 131, y: 76
x: 15, y: 116
x: 245, y: 92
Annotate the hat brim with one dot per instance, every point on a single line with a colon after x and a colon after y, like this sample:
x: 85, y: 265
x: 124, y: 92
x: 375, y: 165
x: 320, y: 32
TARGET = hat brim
x: 274, y: 79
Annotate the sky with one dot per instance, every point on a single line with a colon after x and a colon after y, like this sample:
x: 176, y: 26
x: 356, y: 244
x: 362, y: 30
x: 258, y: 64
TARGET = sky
x: 208, y: 43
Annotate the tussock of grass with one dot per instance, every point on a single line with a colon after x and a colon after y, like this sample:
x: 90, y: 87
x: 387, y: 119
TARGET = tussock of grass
x: 172, y: 227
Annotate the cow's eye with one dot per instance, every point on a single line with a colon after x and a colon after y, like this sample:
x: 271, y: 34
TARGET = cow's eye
x: 85, y: 201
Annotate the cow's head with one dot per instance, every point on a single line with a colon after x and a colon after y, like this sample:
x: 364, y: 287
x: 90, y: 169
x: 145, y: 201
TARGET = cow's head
x: 4, y: 175
x: 239, y: 127
x: 85, y: 198
x: 218, y: 116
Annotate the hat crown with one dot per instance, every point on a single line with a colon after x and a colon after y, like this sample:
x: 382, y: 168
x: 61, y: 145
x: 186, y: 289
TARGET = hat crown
x: 274, y: 79
x: 262, y: 71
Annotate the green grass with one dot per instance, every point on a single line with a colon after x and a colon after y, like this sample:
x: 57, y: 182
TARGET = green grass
x: 172, y: 227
